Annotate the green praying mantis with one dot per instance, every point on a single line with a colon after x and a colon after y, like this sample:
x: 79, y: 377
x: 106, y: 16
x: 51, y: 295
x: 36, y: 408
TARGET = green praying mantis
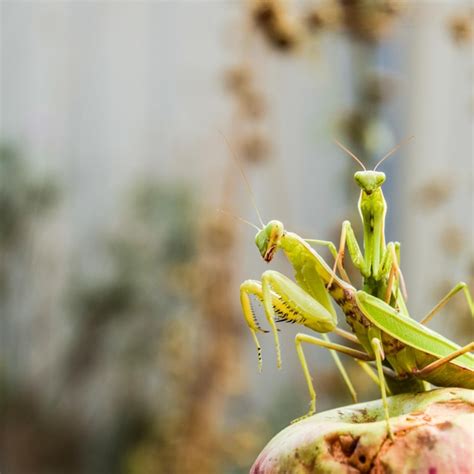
x: 400, y: 347
x: 379, y: 266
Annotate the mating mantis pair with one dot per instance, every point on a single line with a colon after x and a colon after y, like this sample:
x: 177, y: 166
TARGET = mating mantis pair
x: 402, y: 348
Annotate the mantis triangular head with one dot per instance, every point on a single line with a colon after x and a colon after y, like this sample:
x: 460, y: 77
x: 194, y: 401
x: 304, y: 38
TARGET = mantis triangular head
x: 369, y: 181
x: 268, y: 239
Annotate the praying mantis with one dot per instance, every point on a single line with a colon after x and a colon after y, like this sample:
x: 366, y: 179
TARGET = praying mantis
x: 379, y: 266
x: 384, y: 332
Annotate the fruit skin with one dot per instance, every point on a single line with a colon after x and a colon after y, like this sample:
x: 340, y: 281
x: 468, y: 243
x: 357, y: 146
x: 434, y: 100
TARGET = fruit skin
x: 433, y: 434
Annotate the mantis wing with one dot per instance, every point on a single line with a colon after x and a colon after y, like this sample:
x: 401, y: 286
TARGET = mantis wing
x: 409, y: 331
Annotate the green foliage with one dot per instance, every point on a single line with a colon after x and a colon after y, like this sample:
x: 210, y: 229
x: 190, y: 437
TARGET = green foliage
x: 22, y: 195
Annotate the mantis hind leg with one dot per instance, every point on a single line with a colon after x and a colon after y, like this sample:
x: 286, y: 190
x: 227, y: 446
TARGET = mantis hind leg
x: 363, y: 365
x: 377, y: 347
x: 299, y: 339
x: 443, y: 361
x: 342, y: 371
x: 460, y: 286
x: 373, y: 376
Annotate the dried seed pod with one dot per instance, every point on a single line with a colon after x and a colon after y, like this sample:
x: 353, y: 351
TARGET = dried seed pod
x: 252, y: 103
x: 324, y: 17
x: 433, y: 193
x: 370, y: 21
x: 377, y: 89
x: 284, y: 35
x: 453, y: 240
x: 280, y: 30
x: 218, y: 232
x: 238, y: 79
x: 392, y: 7
x: 255, y: 148
x: 461, y: 28
x: 265, y: 12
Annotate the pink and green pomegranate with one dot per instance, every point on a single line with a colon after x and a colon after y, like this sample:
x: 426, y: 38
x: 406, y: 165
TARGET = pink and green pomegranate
x: 433, y: 434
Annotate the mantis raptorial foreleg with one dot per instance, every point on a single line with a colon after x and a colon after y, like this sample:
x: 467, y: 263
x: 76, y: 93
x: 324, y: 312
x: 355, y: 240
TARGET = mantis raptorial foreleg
x: 394, y: 249
x: 390, y: 266
x: 290, y: 302
x: 382, y: 263
x: 460, y: 286
x: 348, y: 237
x: 299, y: 339
x: 254, y: 287
x: 400, y: 299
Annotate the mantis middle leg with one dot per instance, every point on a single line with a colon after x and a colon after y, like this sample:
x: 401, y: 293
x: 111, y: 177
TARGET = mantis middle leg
x: 299, y: 339
x: 460, y: 286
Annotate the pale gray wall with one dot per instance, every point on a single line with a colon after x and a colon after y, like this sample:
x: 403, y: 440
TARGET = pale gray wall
x: 99, y: 92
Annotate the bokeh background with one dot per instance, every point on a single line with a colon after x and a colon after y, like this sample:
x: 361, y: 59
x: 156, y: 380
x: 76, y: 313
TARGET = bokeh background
x: 123, y: 348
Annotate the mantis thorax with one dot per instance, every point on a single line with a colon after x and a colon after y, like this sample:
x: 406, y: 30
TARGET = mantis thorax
x: 371, y: 204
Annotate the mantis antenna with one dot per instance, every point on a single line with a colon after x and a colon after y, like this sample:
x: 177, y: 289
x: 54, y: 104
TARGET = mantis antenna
x: 393, y: 150
x: 351, y: 154
x: 252, y: 197
x: 239, y: 218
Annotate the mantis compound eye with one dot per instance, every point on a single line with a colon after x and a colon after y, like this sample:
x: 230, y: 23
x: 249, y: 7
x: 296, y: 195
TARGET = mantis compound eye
x: 379, y: 178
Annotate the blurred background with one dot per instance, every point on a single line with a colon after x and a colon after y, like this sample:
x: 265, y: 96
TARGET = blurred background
x: 123, y: 347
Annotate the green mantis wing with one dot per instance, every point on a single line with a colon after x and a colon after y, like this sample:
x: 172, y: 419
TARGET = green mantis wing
x: 409, y: 331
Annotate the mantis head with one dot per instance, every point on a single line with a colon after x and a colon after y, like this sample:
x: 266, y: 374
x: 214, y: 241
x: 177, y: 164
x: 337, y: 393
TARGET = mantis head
x: 268, y: 239
x: 369, y: 181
